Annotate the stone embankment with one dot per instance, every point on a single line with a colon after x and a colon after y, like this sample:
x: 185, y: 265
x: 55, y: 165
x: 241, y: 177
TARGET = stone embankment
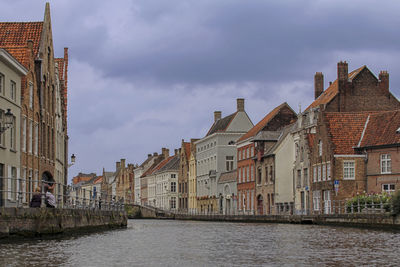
x: 32, y: 222
x: 373, y: 220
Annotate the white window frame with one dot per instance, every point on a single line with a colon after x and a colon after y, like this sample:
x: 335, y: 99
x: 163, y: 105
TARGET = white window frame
x: 328, y: 171
x: 386, y: 163
x: 323, y: 172
x: 350, y: 174
x: 30, y: 136
x: 13, y: 90
x: 30, y: 95
x: 319, y: 173
x: 23, y: 145
x: 314, y: 173
x: 35, y: 151
x: 388, y: 190
x: 320, y: 147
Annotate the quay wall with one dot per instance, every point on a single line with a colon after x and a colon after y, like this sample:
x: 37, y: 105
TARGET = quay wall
x: 31, y: 222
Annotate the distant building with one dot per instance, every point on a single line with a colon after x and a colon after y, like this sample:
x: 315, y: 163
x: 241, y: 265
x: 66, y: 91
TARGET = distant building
x: 192, y: 182
x: 183, y: 176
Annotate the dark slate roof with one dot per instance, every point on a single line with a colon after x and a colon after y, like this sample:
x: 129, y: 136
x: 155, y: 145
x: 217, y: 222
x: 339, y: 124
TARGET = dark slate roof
x: 267, y: 136
x: 283, y: 133
x: 221, y: 124
x: 172, y: 165
x: 227, y: 177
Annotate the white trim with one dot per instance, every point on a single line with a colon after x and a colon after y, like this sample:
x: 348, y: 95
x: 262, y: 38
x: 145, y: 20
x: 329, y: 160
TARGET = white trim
x: 12, y: 62
x: 363, y: 132
x: 349, y: 156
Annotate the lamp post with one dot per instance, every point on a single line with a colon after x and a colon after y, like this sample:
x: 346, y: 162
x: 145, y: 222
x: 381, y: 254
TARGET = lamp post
x: 8, y: 121
x: 73, y: 158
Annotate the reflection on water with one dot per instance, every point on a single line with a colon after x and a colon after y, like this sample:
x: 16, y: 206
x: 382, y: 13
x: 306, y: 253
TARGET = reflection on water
x: 189, y: 243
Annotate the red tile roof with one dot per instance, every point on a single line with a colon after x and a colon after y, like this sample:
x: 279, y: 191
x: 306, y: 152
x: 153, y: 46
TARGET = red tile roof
x: 345, y: 130
x: 333, y: 90
x: 20, y: 53
x: 261, y: 124
x: 156, y: 167
x: 18, y: 33
x: 381, y: 129
x: 98, y: 180
x: 60, y: 62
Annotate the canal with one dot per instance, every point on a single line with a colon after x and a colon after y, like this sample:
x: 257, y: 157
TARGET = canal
x: 192, y: 243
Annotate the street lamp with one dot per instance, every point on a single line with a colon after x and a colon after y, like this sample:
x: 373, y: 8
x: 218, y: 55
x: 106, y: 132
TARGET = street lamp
x: 73, y: 158
x: 8, y: 121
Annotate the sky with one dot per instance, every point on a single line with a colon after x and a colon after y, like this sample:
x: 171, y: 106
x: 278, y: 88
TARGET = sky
x: 147, y: 74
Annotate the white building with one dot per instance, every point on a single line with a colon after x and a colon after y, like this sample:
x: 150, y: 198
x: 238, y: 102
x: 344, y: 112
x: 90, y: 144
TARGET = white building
x: 216, y: 153
x: 166, y: 183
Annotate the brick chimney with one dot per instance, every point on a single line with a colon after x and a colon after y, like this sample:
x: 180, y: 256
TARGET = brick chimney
x: 148, y: 155
x: 117, y: 165
x: 217, y: 115
x: 155, y: 154
x: 384, y: 82
x: 318, y: 84
x: 165, y: 152
x: 123, y: 163
x: 240, y: 104
x: 342, y: 71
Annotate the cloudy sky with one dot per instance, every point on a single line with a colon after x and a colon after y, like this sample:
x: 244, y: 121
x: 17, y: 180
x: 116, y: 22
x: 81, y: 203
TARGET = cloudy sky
x: 147, y: 74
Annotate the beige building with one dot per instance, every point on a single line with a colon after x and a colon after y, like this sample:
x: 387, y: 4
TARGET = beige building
x: 11, y: 72
x: 192, y: 202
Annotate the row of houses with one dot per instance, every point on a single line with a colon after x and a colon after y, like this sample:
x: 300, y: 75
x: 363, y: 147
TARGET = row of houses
x: 33, y: 110
x: 346, y: 142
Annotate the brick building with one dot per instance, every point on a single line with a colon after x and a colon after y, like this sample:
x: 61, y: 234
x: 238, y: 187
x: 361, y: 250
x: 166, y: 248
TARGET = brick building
x: 183, y: 176
x: 246, y: 172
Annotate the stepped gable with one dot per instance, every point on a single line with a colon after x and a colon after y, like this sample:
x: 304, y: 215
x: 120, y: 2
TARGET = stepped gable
x: 222, y: 124
x: 328, y: 95
x: 265, y: 121
x: 345, y: 130
x: 17, y: 34
x: 382, y: 129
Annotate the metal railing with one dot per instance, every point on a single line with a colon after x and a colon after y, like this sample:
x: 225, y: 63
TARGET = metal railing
x: 19, y: 192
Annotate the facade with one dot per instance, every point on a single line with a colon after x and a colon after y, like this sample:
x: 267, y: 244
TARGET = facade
x: 32, y: 44
x: 246, y: 171
x: 167, y: 183
x: 216, y: 154
x: 124, y: 182
x: 192, y: 205
x: 11, y: 73
x: 183, y: 176
x: 227, y: 199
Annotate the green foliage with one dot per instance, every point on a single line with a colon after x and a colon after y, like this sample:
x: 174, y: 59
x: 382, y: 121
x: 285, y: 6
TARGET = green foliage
x: 371, y: 201
x: 396, y: 202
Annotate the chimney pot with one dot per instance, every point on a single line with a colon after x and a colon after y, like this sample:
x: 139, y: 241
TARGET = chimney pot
x: 148, y: 155
x: 240, y: 104
x: 123, y: 163
x: 384, y: 81
x: 117, y: 165
x: 343, y: 71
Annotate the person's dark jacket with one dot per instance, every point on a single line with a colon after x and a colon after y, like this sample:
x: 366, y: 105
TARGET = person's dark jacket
x: 36, y: 201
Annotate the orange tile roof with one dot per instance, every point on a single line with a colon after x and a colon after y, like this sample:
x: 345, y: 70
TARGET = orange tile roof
x: 156, y: 167
x: 20, y: 53
x: 261, y: 124
x: 345, y: 129
x: 60, y: 62
x: 332, y: 90
x: 18, y: 33
x: 98, y: 180
x: 381, y: 129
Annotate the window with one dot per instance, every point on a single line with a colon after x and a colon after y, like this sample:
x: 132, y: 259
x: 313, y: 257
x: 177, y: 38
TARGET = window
x: 328, y: 171
x: 229, y: 163
x: 386, y: 163
x: 319, y: 173
x: 298, y: 178
x: 12, y: 135
x: 36, y: 138
x: 173, y: 175
x: 266, y: 174
x: 315, y: 174
x: 388, y: 188
x: 31, y: 95
x: 297, y: 151
x: 1, y: 135
x: 323, y: 172
x: 173, y: 187
x: 302, y: 154
x: 259, y: 176
x: 247, y: 174
x: 13, y: 90
x: 173, y: 202
x: 23, y: 134
x: 239, y: 155
x: 14, y: 183
x: 30, y: 136
x: 305, y: 177
x: 320, y: 148
x: 316, y: 200
x: 252, y: 151
x: 240, y: 174
x: 247, y: 153
x: 1, y: 84
x: 348, y: 170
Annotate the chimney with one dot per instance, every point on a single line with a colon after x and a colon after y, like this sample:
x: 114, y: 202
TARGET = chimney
x: 342, y: 72
x: 117, y: 165
x: 318, y: 84
x: 240, y: 104
x: 148, y: 155
x: 217, y: 115
x: 165, y: 152
x: 176, y: 152
x: 123, y: 163
x: 30, y: 44
x: 155, y: 154
x: 384, y: 82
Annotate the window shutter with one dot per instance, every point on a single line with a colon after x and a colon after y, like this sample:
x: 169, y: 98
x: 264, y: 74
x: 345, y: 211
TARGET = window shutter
x: 9, y: 181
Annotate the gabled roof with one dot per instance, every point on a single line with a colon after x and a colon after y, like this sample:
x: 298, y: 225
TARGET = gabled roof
x: 222, y: 124
x: 187, y: 150
x: 333, y: 90
x: 171, y: 165
x: 17, y: 34
x: 60, y: 62
x: 345, y: 129
x: 227, y: 177
x: 20, y: 53
x: 282, y: 134
x: 381, y: 129
x: 264, y: 122
x: 161, y: 164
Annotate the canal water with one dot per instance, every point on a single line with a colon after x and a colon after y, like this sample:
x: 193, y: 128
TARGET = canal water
x: 192, y: 243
